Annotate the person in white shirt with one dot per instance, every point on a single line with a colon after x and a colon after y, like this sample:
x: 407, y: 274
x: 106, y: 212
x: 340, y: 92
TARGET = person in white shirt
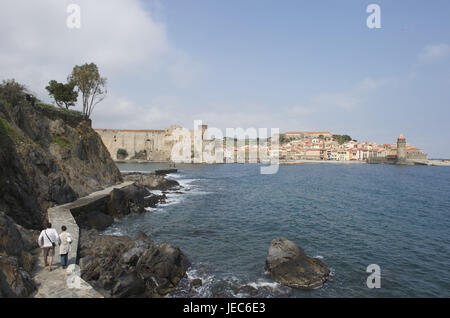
x: 48, y: 241
x: 64, y: 246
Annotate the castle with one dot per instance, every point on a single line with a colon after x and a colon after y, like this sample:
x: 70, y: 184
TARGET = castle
x: 152, y: 145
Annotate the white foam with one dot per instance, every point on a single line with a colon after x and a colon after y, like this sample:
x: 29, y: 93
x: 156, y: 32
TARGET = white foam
x: 264, y: 284
x: 174, y: 176
x: 318, y: 256
x: 207, y: 280
x: 156, y: 192
x: 113, y: 231
x: 186, y: 183
x: 332, y: 271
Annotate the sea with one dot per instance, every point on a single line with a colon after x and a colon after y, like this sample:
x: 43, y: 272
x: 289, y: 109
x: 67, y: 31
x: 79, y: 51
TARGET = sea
x: 350, y: 216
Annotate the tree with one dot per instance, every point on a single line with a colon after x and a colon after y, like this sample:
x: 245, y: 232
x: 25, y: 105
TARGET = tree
x: 92, y: 86
x: 63, y: 94
x: 341, y: 139
x: 283, y: 139
x: 122, y: 153
x: 12, y: 92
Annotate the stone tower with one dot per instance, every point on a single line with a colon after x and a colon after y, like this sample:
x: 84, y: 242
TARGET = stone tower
x: 401, y: 148
x: 204, y: 128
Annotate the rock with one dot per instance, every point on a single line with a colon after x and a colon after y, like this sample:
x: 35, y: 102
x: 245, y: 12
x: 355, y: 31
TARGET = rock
x: 290, y: 266
x: 11, y: 242
x: 14, y: 281
x: 163, y: 264
x: 29, y: 238
x: 123, y: 267
x: 97, y: 220
x: 130, y: 199
x: 163, y: 172
x: 128, y: 285
x: 247, y: 289
x: 141, y: 243
x: 17, y: 241
x: 154, y: 199
x: 156, y: 182
x: 196, y: 283
x: 48, y: 156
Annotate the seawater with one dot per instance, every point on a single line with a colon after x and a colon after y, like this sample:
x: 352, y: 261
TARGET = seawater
x: 350, y: 216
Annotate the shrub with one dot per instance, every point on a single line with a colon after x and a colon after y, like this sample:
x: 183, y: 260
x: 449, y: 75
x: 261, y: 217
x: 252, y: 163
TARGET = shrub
x: 12, y: 92
x: 62, y: 141
x: 122, y: 152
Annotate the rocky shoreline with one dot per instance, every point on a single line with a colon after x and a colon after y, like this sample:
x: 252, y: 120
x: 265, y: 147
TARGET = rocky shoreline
x: 120, y: 266
x: 49, y: 157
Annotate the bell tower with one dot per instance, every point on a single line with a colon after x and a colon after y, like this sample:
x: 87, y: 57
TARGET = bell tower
x: 401, y: 149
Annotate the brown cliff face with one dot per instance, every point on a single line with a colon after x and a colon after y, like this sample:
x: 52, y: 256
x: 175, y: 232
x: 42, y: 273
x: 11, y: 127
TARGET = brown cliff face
x: 48, y: 156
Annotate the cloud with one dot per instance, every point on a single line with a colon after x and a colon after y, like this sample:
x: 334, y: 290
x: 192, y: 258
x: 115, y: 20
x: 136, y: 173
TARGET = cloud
x: 120, y: 36
x: 347, y: 100
x: 434, y: 53
x: 120, y: 112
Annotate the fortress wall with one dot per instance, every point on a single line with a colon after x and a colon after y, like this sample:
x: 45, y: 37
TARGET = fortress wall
x: 154, y: 142
x: 416, y: 155
x: 153, y: 145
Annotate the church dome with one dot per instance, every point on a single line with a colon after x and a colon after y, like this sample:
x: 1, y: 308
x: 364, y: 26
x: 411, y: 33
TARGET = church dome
x: 401, y: 136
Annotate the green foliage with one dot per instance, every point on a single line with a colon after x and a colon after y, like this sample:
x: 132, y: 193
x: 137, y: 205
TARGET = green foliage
x: 122, y: 152
x: 12, y: 92
x: 92, y: 86
x: 62, y: 141
x: 9, y: 134
x: 63, y: 94
x: 284, y: 140
x: 53, y: 109
x: 341, y: 139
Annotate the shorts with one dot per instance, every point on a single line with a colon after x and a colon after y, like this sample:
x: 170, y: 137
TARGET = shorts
x: 48, y: 251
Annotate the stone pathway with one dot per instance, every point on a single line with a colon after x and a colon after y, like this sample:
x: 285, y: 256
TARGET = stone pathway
x: 62, y: 283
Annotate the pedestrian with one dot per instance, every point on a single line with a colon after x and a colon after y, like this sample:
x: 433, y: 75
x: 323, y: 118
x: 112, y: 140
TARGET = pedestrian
x: 48, y: 240
x: 65, y: 245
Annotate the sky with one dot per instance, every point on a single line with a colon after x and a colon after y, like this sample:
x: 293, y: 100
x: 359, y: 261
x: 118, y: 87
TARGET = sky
x: 293, y: 65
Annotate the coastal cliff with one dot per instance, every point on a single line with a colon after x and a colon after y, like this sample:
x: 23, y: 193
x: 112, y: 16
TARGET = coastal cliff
x: 48, y: 156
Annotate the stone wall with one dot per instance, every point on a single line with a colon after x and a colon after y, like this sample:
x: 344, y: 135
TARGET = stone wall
x: 416, y: 155
x: 152, y: 145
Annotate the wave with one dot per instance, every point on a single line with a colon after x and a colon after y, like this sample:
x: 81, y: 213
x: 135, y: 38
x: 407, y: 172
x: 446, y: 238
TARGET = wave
x: 156, y: 192
x: 264, y: 284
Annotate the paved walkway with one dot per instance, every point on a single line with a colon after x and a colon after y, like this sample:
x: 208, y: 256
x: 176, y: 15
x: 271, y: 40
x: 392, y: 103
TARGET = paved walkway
x: 62, y: 283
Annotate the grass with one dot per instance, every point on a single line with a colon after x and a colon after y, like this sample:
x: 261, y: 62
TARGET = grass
x: 8, y: 133
x: 54, y: 109
x: 62, y: 141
